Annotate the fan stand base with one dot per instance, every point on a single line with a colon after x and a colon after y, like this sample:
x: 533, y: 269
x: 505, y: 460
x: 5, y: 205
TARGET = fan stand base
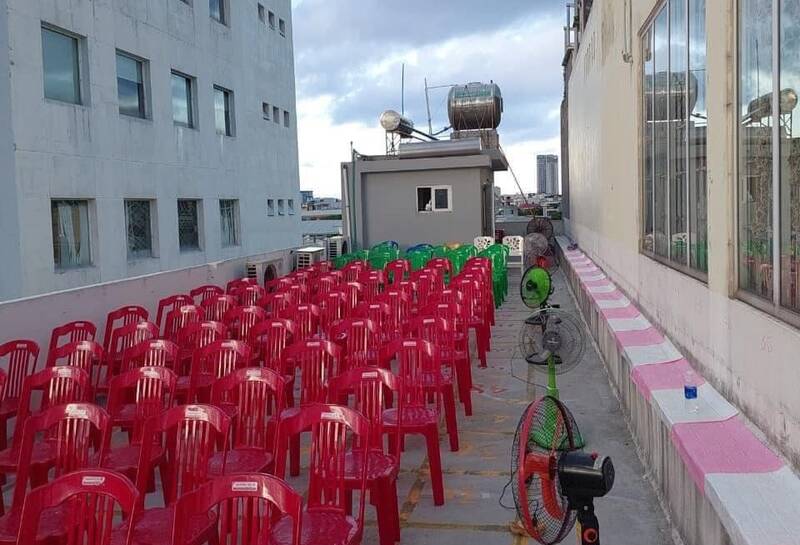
x: 588, y: 526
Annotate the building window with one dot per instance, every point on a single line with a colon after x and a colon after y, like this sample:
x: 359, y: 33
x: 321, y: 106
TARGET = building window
x: 223, y: 110
x: 436, y: 198
x: 270, y: 207
x: 183, y: 100
x: 674, y: 136
x: 229, y: 220
x: 272, y: 20
x: 138, y: 224
x: 286, y: 118
x: 130, y: 85
x: 265, y: 110
x: 282, y: 27
x: 290, y: 206
x: 188, y: 225
x: 61, y: 62
x: 769, y: 140
x: 276, y: 114
x: 217, y: 10
x: 71, y: 244
x: 261, y: 13
x: 281, y: 211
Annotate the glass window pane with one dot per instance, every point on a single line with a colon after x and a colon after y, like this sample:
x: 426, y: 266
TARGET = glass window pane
x: 130, y: 86
x: 677, y: 135
x: 137, y: 218
x: 424, y: 199
x: 70, y: 234
x: 790, y: 155
x: 442, y: 199
x: 698, y: 124
x: 229, y: 223
x: 188, y: 229
x: 222, y: 111
x: 217, y: 9
x: 661, y: 137
x: 61, y: 71
x: 182, y: 100
x: 755, y: 147
x: 647, y: 140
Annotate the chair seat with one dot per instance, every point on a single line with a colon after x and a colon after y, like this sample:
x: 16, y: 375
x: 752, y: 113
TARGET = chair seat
x: 154, y: 527
x: 412, y: 417
x: 241, y: 460
x: 51, y: 526
x: 125, y: 459
x: 43, y: 454
x: 319, y: 527
x: 380, y: 465
x: 8, y: 407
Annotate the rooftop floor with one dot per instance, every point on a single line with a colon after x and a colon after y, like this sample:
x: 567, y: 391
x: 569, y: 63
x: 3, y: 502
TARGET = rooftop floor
x: 476, y: 474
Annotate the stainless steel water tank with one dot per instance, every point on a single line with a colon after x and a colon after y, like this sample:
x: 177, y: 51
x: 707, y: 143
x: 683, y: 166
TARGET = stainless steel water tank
x: 475, y: 106
x: 392, y: 121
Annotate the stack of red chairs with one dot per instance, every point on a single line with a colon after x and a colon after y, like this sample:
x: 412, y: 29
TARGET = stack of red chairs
x: 216, y: 393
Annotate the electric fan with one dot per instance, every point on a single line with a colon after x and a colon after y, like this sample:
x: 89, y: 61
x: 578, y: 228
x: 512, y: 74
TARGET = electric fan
x: 543, y: 226
x: 535, y: 287
x: 554, y: 483
x: 539, y: 252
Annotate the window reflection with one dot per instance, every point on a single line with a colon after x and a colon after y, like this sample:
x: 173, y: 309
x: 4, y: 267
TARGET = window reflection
x: 60, y: 63
x: 647, y: 114
x: 698, y: 123
x: 661, y: 148
x: 182, y: 100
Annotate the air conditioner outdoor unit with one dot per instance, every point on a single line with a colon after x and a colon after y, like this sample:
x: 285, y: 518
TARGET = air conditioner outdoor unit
x: 308, y: 256
x: 335, y: 246
x: 259, y: 270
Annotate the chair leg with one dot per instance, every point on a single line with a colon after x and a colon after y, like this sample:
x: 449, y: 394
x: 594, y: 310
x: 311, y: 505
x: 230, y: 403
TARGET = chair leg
x: 435, y: 462
x: 393, y: 508
x: 294, y: 455
x: 450, y: 416
x: 464, y: 378
x: 380, y: 498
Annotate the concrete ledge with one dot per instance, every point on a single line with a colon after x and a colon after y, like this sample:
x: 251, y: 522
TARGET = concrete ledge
x: 721, y: 482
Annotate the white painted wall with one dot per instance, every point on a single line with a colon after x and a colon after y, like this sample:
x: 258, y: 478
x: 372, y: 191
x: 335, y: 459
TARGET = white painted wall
x: 749, y: 356
x: 91, y: 151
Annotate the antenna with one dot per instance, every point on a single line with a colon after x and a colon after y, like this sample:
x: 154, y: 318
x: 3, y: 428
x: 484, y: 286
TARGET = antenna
x: 428, y: 105
x: 403, y: 90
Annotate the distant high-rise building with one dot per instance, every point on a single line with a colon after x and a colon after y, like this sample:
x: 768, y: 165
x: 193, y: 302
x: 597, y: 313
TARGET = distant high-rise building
x: 547, y: 174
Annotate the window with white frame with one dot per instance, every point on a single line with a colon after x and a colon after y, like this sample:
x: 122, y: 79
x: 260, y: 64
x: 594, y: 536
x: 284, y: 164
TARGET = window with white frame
x: 71, y: 239
x: 229, y: 222
x: 61, y: 66
x: 436, y: 198
x: 188, y: 224
x: 674, y: 127
x: 138, y: 225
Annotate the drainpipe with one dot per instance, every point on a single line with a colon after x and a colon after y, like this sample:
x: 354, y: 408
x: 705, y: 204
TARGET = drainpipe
x: 351, y: 191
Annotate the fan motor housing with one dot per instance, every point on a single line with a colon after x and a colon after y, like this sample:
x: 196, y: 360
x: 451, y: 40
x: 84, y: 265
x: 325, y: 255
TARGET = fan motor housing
x: 584, y: 476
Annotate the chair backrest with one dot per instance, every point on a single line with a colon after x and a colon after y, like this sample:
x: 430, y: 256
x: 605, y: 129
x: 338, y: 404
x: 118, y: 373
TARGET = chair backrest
x: 399, y: 305
x: 201, y: 294
x: 299, y: 294
x: 150, y: 389
x: 241, y: 320
x: 19, y: 359
x: 84, y: 354
x: 326, y: 284
x: 199, y: 334
x: 238, y: 283
x: 190, y: 436
x: 373, y: 282
x: 78, y: 430
x: 259, y: 397
x: 354, y: 269
x: 333, y: 307
x: 514, y: 244
x: 217, y: 306
x: 250, y: 295
x: 152, y: 353
x: 70, y: 333
x: 90, y: 499
x: 169, y: 304
x: 129, y: 314
x: 306, y: 318
x: 481, y: 243
x: 358, y: 337
x: 276, y: 303
x: 331, y: 426
x: 473, y: 300
x: 354, y: 293
x: 379, y: 312
x: 179, y: 318
x: 247, y: 506
x: 127, y: 336
x: 397, y: 270
x: 318, y: 361
x: 269, y: 338
x: 217, y: 360
x: 419, y: 370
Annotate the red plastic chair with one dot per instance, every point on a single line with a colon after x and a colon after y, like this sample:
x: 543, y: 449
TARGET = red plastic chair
x: 257, y: 397
x: 400, y: 310
x: 306, y: 318
x: 238, y: 283
x: 216, y: 307
x: 380, y: 313
x: 318, y: 362
x: 427, y: 284
x: 90, y: 499
x: 275, y: 304
x: 373, y: 282
x: 354, y: 292
x: 241, y: 320
x: 75, y: 431
x: 369, y: 387
x: 197, y: 335
x: 19, y: 358
x: 333, y: 307
x: 122, y: 339
x: 168, y: 305
x: 153, y: 353
x: 263, y: 498
x: 444, y: 265
x: 354, y: 269
x: 326, y: 284
x: 250, y: 295
x: 189, y: 435
x: 129, y: 314
x: 360, y: 342
x: 475, y: 314
x: 420, y: 415
x: 268, y: 339
x: 299, y: 294
x: 179, y: 318
x: 69, y: 333
x: 325, y: 518
x: 87, y: 355
x: 213, y: 362
x: 201, y: 294
x: 397, y: 271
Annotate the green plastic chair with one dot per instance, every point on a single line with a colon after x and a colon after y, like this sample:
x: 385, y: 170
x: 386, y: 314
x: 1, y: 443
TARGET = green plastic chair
x: 418, y: 259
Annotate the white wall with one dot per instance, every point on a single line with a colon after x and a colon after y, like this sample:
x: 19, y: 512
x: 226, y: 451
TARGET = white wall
x: 749, y: 356
x: 92, y: 151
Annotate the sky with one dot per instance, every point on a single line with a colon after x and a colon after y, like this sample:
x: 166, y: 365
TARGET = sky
x: 349, y: 56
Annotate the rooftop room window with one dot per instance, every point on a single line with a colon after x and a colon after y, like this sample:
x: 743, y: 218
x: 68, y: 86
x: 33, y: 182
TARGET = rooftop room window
x: 282, y: 27
x: 281, y: 211
x: 265, y: 110
x: 188, y: 225
x: 61, y: 63
x: 229, y: 222
x: 276, y: 114
x: 286, y: 118
x: 261, y: 13
x: 71, y: 243
x: 270, y: 207
x: 218, y: 11
x: 131, y: 85
x: 674, y: 137
x: 769, y: 156
x: 437, y: 198
x: 138, y: 225
x: 223, y: 111
x: 290, y: 206
x: 183, y: 100
x: 272, y: 20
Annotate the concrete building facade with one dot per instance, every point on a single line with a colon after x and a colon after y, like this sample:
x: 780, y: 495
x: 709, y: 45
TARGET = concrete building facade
x: 143, y: 138
x: 547, y: 174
